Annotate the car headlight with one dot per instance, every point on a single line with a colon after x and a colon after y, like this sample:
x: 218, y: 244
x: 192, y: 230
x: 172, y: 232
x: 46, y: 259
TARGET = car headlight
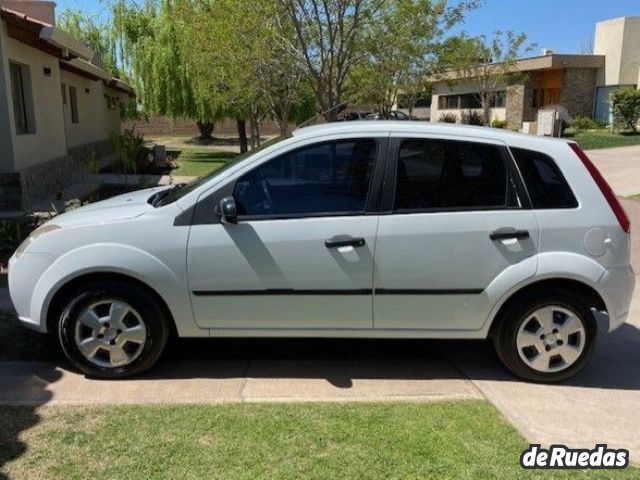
x: 37, y: 233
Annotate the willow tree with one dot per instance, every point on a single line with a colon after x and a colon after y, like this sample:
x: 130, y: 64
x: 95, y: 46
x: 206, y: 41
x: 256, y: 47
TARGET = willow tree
x: 152, y: 48
x: 236, y: 52
x: 93, y: 33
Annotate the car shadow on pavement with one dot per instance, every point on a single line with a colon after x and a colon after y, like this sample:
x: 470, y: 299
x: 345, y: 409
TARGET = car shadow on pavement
x: 615, y: 363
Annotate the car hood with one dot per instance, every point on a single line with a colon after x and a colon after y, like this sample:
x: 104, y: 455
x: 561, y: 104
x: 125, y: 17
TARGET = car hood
x: 121, y: 207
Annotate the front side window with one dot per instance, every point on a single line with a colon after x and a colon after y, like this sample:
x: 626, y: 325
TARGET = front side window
x: 443, y: 174
x: 545, y: 183
x: 327, y: 178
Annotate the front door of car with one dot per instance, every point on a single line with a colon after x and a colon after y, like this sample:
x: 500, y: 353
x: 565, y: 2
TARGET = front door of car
x: 456, y: 222
x: 301, y: 253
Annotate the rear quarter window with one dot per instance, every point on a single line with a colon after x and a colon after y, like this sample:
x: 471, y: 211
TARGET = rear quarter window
x: 545, y: 183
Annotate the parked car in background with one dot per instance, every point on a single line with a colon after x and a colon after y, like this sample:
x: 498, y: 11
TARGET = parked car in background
x: 351, y: 116
x: 394, y: 115
x: 360, y: 230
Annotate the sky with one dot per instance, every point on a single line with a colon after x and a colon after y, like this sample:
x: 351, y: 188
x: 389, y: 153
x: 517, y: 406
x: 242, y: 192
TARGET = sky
x: 566, y: 26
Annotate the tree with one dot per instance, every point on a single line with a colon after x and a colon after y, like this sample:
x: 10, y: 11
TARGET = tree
x: 626, y: 107
x: 236, y: 52
x: 492, y: 63
x: 92, y: 33
x: 150, y: 42
x: 402, y: 50
x: 329, y: 40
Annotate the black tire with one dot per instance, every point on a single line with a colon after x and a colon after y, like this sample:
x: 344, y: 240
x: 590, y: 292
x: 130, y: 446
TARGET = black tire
x: 519, y: 309
x: 154, y: 316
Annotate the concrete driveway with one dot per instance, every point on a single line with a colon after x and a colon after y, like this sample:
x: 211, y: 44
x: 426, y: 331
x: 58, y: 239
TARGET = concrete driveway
x: 599, y: 405
x: 621, y: 168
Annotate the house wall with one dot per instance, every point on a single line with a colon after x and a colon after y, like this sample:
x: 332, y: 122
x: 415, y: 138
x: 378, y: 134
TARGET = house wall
x: 6, y: 139
x: 444, y: 88
x: 95, y: 120
x: 619, y: 40
x: 578, y: 91
x: 48, y: 142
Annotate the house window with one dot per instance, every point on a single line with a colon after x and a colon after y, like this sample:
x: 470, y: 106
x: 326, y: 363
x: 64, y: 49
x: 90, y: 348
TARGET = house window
x: 64, y: 93
x: 73, y: 97
x: 448, y: 102
x: 22, y: 98
x: 500, y: 99
x: 470, y: 100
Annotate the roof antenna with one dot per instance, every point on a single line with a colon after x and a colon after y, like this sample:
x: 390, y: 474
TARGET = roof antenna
x: 314, y: 120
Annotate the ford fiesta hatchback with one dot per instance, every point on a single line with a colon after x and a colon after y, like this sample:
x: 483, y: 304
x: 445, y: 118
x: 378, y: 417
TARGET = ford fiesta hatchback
x: 356, y: 229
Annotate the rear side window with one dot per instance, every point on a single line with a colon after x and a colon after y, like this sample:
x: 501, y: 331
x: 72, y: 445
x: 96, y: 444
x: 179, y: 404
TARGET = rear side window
x: 546, y: 185
x: 443, y: 174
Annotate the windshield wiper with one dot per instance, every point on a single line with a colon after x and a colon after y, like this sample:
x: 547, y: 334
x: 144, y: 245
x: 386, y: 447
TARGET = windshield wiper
x: 159, y: 198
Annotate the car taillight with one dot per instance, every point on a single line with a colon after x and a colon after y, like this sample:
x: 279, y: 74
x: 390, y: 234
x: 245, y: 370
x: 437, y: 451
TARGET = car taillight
x: 604, y: 187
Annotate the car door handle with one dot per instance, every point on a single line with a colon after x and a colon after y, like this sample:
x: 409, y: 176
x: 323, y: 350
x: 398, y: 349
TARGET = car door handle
x: 508, y: 234
x: 344, y: 241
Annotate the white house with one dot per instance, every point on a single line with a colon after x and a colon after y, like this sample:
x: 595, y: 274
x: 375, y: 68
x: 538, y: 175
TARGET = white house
x: 57, y: 106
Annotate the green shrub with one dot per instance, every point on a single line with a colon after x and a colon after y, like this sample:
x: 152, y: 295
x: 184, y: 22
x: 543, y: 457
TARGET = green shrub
x: 586, y: 123
x: 448, y: 118
x: 472, y: 117
x: 131, y: 152
x: 626, y: 108
x: 497, y: 123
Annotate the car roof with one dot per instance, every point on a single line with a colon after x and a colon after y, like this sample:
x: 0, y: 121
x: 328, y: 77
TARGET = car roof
x: 390, y: 126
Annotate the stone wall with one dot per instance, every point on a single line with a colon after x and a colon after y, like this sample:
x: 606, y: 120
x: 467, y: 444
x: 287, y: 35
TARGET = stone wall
x: 520, y: 106
x: 578, y: 90
x: 20, y: 191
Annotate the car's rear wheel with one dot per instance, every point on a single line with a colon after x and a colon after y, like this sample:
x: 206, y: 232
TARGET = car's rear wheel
x: 547, y: 336
x: 113, y: 330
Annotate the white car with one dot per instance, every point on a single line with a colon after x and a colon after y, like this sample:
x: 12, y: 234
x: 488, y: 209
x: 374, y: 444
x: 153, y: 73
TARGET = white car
x: 359, y: 230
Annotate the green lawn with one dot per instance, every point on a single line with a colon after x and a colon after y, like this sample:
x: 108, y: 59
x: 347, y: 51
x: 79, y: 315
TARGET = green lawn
x: 448, y: 440
x: 199, y: 161
x: 593, y: 140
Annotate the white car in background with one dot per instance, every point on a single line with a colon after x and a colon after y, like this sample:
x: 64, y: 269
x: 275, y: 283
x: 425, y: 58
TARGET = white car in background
x: 355, y: 229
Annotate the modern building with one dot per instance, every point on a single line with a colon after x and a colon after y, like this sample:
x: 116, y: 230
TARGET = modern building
x: 579, y: 83
x: 57, y: 106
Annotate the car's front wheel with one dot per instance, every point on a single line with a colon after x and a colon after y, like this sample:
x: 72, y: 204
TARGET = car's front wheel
x: 546, y: 337
x: 113, y: 330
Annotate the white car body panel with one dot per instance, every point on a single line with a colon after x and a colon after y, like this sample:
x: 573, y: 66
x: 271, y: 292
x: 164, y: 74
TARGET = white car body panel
x: 128, y: 236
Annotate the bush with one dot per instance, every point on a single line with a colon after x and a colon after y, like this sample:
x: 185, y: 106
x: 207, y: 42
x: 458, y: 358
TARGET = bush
x: 131, y: 152
x: 586, y: 123
x: 626, y: 108
x: 497, y: 123
x: 472, y: 117
x: 448, y: 118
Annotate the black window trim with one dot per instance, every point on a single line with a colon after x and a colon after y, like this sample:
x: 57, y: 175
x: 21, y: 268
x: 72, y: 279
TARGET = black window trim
x: 201, y: 215
x: 521, y: 200
x: 523, y: 185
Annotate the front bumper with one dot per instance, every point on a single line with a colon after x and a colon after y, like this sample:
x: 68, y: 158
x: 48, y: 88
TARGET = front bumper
x: 24, y: 273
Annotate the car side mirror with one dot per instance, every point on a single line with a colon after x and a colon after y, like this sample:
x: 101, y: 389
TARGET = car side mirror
x: 227, y: 210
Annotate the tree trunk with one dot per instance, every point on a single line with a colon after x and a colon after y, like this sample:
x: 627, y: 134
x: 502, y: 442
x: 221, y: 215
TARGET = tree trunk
x: 284, y: 127
x: 242, y: 134
x: 206, y: 129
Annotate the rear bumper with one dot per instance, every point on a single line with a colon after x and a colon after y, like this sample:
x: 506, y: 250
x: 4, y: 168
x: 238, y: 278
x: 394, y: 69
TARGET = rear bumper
x: 617, y: 286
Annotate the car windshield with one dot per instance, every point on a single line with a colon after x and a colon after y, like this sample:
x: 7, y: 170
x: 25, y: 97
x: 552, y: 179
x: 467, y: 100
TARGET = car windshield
x: 178, y: 191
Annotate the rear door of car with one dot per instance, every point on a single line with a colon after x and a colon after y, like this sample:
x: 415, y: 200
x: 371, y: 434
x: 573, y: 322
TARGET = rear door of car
x: 455, y: 219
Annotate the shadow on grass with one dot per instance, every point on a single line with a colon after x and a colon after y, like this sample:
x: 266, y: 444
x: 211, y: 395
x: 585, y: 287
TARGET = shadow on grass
x: 17, y: 343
